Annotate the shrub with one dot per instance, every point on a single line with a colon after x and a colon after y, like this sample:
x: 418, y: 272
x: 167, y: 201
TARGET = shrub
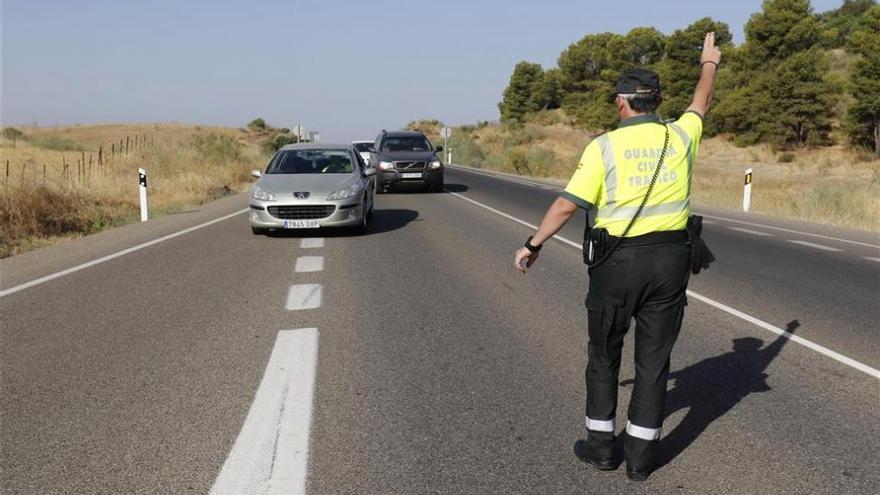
x: 12, y: 134
x: 257, y: 125
x: 786, y: 157
x: 278, y: 142
x: 217, y: 148
x: 56, y: 143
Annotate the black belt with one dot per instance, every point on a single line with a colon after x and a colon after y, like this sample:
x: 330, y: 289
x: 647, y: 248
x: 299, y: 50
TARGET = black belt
x: 653, y: 238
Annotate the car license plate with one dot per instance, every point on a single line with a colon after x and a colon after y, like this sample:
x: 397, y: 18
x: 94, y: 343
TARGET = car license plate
x: 301, y: 224
x: 411, y: 175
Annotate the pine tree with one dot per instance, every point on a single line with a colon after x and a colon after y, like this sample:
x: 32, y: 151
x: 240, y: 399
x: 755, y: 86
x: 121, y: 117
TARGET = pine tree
x: 863, y: 116
x: 517, y: 101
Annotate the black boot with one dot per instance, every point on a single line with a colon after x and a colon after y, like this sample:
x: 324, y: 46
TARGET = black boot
x: 597, y: 450
x: 640, y: 456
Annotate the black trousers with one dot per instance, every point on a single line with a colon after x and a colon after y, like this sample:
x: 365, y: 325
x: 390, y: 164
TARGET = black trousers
x: 647, y: 283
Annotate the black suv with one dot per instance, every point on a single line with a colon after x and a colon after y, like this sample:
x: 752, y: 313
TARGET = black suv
x: 406, y: 156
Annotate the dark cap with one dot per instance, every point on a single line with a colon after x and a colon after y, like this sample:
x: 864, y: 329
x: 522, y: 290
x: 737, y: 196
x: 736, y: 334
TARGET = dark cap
x: 638, y: 81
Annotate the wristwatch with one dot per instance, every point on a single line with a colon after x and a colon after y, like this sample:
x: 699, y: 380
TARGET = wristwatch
x: 530, y: 247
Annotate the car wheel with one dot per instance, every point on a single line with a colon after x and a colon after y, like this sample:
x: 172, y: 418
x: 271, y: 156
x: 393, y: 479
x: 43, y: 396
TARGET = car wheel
x: 258, y: 231
x: 437, y: 187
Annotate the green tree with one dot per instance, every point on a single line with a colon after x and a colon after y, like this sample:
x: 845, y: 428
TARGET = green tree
x: 803, y: 99
x: 517, y: 101
x: 839, y: 23
x: 781, y: 29
x: 681, y: 68
x: 548, y: 91
x: 12, y: 134
x: 582, y: 63
x: 863, y: 116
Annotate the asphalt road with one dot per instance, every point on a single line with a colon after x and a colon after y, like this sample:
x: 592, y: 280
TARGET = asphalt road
x: 436, y: 367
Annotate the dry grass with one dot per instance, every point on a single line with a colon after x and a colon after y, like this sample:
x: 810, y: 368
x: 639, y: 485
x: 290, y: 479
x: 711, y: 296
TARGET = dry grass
x: 37, y: 208
x: 831, y: 185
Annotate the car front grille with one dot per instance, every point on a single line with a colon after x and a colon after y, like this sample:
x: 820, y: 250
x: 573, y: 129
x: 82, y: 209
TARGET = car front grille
x: 409, y: 166
x: 301, y: 212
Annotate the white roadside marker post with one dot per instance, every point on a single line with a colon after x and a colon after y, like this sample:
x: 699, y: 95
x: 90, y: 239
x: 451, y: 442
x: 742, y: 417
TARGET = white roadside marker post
x: 747, y: 191
x: 142, y: 185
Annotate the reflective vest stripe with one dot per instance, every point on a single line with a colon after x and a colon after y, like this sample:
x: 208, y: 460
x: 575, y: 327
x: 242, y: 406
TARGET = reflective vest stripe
x: 625, y: 212
x: 690, y: 155
x: 610, y: 169
x: 600, y: 425
x: 642, y: 433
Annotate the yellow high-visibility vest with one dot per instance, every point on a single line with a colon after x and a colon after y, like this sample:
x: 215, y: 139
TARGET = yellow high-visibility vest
x: 616, y: 168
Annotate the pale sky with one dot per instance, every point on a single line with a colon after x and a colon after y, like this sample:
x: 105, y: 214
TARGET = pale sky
x: 347, y: 69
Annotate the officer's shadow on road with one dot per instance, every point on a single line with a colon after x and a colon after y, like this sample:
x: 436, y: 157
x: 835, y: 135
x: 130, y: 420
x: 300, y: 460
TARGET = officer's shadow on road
x: 711, y: 388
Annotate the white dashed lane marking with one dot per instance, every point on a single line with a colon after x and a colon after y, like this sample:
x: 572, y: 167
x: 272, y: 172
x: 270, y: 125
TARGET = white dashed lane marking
x: 750, y: 231
x: 271, y: 452
x: 872, y: 259
x: 816, y: 246
x: 304, y: 296
x: 310, y: 263
x: 312, y: 242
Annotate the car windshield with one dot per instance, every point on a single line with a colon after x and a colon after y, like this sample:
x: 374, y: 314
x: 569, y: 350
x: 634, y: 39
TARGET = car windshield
x: 414, y: 143
x: 312, y: 161
x: 363, y: 146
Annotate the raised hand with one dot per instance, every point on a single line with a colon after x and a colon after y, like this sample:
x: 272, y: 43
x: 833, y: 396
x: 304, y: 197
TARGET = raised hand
x: 711, y: 53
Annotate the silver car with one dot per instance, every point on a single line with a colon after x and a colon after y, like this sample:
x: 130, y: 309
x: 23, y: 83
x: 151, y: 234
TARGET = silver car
x: 311, y: 186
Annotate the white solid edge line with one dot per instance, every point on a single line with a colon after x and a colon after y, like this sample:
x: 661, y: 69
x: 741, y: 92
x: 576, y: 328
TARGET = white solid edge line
x: 88, y: 264
x: 792, y: 231
x: 270, y: 454
x: 505, y: 178
x: 723, y: 307
x: 782, y: 229
x: 869, y: 258
x: 309, y: 264
x: 815, y: 246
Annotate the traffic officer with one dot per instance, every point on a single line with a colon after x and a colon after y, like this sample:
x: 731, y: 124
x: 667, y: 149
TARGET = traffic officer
x: 635, y: 182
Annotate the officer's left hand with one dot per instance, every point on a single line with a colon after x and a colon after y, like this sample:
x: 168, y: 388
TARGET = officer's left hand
x: 524, y: 259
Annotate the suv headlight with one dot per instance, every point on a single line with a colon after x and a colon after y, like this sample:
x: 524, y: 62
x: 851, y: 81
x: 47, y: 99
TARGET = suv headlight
x: 386, y: 165
x: 346, y: 193
x: 260, y: 194
x: 435, y: 164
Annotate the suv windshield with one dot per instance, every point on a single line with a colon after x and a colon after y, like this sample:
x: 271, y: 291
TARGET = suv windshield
x: 407, y: 143
x: 315, y: 161
x: 363, y: 146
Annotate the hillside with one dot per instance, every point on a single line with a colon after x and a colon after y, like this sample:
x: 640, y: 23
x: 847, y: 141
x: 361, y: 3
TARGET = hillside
x: 824, y: 184
x: 67, y: 181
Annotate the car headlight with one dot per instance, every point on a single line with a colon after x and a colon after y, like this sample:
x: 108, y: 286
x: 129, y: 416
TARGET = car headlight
x: 386, y: 165
x: 258, y: 193
x: 346, y: 193
x: 435, y: 164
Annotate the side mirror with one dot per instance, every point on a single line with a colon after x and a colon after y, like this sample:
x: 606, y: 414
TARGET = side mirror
x: 256, y: 173
x: 438, y: 149
x: 369, y: 171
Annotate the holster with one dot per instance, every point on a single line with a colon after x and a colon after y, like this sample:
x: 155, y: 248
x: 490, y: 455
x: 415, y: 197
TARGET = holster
x: 595, y: 244
x: 701, y: 256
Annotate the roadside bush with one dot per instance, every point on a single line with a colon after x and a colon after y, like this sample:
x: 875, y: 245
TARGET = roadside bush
x: 12, y: 134
x: 278, y: 142
x: 257, y: 125
x: 786, y: 157
x: 216, y: 148
x: 55, y: 143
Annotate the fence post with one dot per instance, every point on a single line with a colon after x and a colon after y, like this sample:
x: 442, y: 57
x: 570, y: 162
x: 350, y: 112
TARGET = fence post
x: 126, y: 145
x: 747, y: 191
x: 7, y: 172
x: 112, y: 149
x: 44, y: 175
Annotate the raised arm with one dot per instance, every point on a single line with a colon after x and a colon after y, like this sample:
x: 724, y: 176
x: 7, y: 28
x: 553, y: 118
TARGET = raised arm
x: 709, y: 60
